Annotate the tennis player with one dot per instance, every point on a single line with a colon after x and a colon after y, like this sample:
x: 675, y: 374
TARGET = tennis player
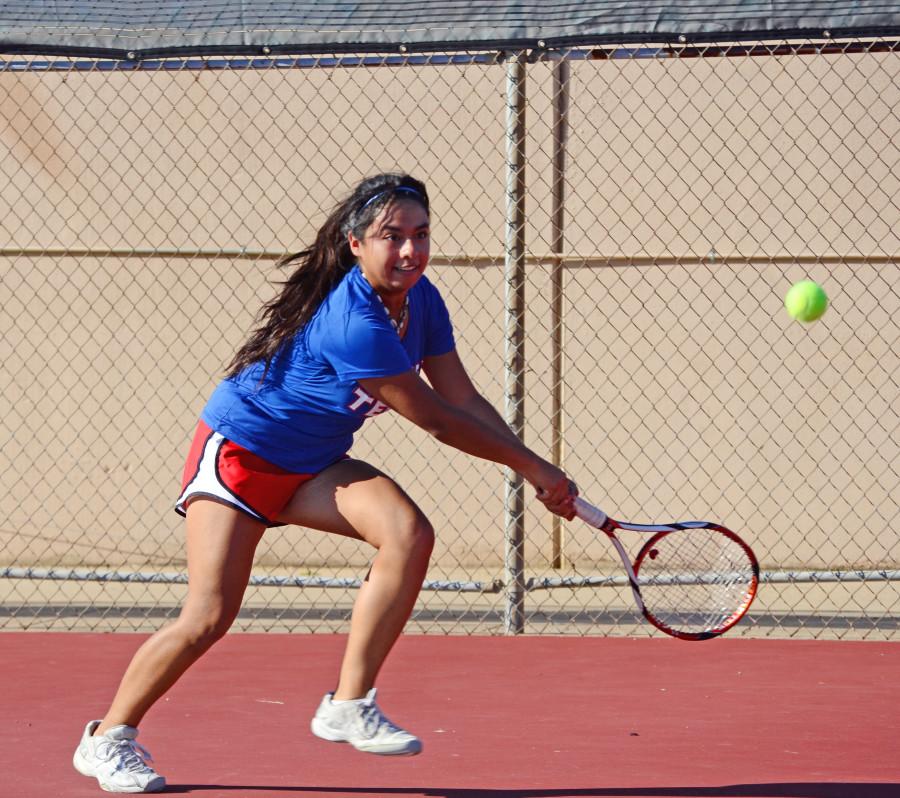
x: 344, y: 340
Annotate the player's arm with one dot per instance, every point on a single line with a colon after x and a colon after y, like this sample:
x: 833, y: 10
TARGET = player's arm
x: 450, y: 380
x: 409, y: 395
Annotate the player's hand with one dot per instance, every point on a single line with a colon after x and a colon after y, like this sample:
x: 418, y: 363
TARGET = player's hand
x: 559, y: 498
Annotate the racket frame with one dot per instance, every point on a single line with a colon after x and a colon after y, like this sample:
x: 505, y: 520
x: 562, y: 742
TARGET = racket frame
x: 595, y: 517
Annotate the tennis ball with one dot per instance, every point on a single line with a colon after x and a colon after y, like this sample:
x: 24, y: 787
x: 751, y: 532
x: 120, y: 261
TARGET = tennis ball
x: 806, y: 301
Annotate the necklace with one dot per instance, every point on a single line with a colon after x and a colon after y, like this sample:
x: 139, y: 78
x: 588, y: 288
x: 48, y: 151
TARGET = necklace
x: 404, y: 311
x: 397, y: 324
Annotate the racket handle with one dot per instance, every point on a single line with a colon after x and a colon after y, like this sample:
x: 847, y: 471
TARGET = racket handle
x: 590, y: 514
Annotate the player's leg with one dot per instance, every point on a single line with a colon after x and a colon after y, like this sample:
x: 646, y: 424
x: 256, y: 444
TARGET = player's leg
x: 354, y: 499
x: 221, y: 542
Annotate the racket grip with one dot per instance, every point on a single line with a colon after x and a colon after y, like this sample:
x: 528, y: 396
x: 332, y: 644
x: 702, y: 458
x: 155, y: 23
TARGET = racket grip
x: 590, y: 514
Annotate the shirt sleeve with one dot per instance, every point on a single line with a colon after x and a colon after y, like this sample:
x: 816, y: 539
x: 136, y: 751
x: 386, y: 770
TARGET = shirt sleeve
x: 362, y: 344
x: 439, y: 337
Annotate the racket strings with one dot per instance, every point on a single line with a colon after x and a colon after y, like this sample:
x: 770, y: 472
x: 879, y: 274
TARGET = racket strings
x: 696, y: 580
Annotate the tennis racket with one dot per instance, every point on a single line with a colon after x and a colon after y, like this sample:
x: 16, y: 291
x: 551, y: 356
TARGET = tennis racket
x: 692, y: 580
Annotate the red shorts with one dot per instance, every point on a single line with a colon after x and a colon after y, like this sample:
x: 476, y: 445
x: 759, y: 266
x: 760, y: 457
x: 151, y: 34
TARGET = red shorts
x: 220, y: 469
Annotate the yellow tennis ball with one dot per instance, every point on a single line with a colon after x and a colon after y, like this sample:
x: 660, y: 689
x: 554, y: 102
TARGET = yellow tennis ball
x: 806, y: 301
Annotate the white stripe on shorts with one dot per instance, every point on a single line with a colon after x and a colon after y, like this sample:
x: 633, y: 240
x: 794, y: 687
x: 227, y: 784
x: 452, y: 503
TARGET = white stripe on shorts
x: 207, y: 482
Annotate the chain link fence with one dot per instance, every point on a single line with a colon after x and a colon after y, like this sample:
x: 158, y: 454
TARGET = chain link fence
x: 613, y: 230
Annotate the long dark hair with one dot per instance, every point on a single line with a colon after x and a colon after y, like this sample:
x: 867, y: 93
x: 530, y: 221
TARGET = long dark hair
x: 320, y: 267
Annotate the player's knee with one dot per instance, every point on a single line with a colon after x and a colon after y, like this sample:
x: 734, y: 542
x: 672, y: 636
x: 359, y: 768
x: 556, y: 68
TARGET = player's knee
x: 425, y: 535
x: 203, y: 629
x: 415, y: 535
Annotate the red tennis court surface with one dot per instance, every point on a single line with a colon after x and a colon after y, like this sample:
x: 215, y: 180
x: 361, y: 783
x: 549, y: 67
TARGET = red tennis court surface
x: 524, y: 717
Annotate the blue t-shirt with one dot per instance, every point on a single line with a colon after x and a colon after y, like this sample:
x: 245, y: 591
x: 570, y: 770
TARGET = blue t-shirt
x: 303, y: 415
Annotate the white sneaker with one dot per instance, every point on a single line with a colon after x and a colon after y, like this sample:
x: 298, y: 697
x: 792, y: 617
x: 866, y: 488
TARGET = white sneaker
x: 362, y: 724
x: 116, y: 760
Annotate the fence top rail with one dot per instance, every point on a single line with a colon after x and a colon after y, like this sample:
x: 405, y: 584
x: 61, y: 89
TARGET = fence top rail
x: 130, y: 62
x: 195, y: 27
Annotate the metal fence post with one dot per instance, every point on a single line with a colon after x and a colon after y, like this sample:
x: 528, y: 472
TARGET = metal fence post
x: 514, y: 338
x: 557, y: 247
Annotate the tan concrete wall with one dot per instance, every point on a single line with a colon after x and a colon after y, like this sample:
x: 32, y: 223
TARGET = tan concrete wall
x: 689, y: 392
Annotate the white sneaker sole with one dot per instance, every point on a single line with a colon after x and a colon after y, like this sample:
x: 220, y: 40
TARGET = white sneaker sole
x: 408, y: 748
x: 84, y: 768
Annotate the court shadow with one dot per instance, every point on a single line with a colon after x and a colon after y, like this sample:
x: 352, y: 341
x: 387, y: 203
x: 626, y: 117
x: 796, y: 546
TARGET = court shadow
x: 774, y: 790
